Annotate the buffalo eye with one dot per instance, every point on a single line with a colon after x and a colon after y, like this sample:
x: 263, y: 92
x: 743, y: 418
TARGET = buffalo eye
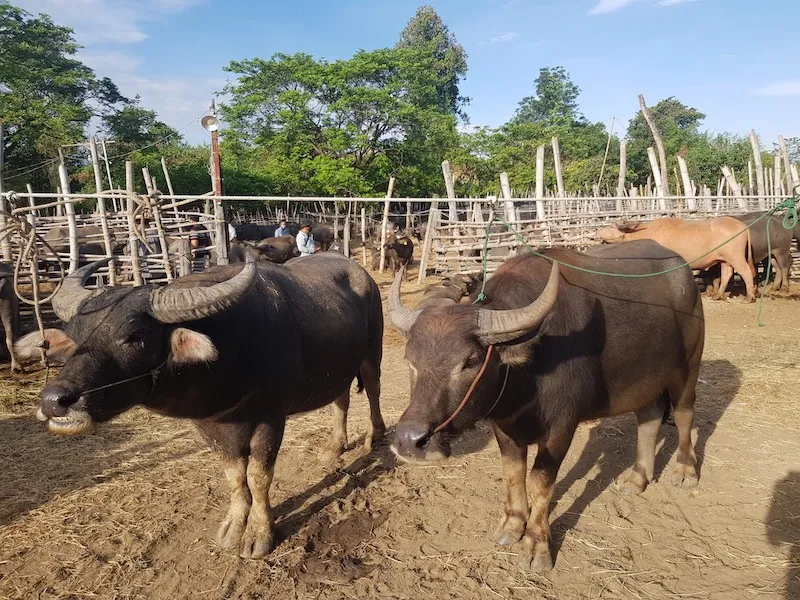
x: 473, y: 361
x: 133, y: 340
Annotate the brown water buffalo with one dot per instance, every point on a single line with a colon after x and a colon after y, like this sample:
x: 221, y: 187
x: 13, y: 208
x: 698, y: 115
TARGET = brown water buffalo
x: 693, y: 239
x: 9, y: 311
x: 195, y: 349
x: 550, y: 348
x: 449, y: 291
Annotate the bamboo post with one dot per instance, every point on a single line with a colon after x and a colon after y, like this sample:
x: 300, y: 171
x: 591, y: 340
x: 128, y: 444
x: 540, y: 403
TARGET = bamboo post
x: 540, y: 215
x: 336, y: 220
x: 791, y: 179
x: 116, y: 207
x: 750, y: 177
x: 101, y: 209
x: 168, y: 180
x: 660, y: 191
x: 559, y: 173
x: 133, y: 242
x: 659, y: 144
x: 688, y: 188
x: 795, y: 179
x: 408, y: 214
x: 769, y: 182
x: 736, y: 190
x: 433, y: 221
x: 505, y: 187
x: 69, y: 209
x: 759, y: 167
x: 364, y: 237
x: 623, y: 167
x: 385, y: 222
x: 32, y: 203
x: 162, y: 238
x: 5, y: 245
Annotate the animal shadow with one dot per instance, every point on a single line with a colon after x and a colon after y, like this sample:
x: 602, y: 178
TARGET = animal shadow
x: 783, y: 527
x: 612, y: 444
x: 36, y: 465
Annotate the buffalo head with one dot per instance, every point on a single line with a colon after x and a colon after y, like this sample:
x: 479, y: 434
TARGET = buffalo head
x: 446, y: 349
x: 118, y: 342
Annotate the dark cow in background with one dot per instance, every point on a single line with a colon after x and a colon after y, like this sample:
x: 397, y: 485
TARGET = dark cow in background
x: 402, y: 248
x: 195, y: 349
x: 9, y: 311
x: 277, y: 250
x: 548, y: 349
x: 449, y: 291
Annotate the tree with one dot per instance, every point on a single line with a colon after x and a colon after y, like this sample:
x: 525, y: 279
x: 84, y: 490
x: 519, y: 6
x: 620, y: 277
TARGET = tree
x: 46, y: 97
x: 555, y: 102
x: 426, y: 33
x: 135, y: 127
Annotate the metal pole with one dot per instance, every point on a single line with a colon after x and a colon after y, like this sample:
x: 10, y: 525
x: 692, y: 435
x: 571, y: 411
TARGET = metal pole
x: 219, y: 211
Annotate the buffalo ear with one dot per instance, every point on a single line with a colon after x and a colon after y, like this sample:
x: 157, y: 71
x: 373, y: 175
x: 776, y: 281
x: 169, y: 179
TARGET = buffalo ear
x: 59, y: 346
x: 189, y: 347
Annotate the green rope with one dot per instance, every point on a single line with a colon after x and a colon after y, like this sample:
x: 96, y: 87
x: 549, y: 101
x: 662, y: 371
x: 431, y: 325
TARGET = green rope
x: 789, y: 221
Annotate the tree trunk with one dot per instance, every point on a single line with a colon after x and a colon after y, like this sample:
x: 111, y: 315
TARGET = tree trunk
x: 659, y: 144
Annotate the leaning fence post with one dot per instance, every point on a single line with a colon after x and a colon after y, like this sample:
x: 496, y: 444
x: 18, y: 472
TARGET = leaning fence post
x: 133, y: 242
x: 385, y: 222
x: 162, y: 238
x: 433, y: 219
x: 101, y: 209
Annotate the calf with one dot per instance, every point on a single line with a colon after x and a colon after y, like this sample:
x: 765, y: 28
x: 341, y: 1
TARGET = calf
x: 550, y: 348
x: 698, y: 241
x: 9, y: 311
x: 403, y: 249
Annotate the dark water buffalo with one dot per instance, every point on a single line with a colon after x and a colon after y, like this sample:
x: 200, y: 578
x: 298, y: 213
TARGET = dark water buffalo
x: 565, y: 347
x: 450, y: 291
x: 323, y: 235
x: 250, y: 232
x: 403, y: 249
x: 390, y: 261
x: 195, y: 349
x: 9, y: 311
x: 277, y: 250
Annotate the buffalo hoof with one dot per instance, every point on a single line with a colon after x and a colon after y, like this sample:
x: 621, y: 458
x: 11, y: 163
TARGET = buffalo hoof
x: 372, y: 435
x: 504, y: 537
x: 632, y: 485
x: 230, y: 534
x: 685, y: 477
x: 540, y: 563
x: 332, y: 453
x: 256, y: 543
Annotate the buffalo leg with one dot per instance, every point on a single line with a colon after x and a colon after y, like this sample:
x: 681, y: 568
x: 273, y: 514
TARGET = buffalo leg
x: 230, y: 531
x: 259, y: 535
x: 371, y: 376
x: 742, y: 267
x: 685, y: 473
x: 338, y: 442
x: 783, y: 265
x: 649, y: 420
x: 725, y: 277
x: 541, y: 481
x: 515, y: 517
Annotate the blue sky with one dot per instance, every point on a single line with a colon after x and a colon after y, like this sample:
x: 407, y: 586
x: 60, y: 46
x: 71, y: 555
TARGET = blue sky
x: 735, y: 60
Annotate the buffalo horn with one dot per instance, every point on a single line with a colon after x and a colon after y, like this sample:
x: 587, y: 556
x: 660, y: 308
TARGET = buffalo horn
x: 498, y: 326
x: 402, y: 318
x: 177, y: 305
x: 72, y: 294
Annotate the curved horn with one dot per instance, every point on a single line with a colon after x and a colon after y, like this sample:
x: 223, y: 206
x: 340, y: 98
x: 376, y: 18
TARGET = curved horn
x: 498, y: 326
x: 72, y: 294
x: 177, y: 305
x: 402, y: 318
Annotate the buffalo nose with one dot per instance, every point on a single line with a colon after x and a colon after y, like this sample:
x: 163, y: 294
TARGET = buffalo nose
x: 412, y: 436
x: 56, y: 400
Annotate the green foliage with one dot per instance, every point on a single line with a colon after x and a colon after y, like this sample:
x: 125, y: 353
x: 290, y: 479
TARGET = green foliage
x: 555, y: 102
x: 47, y: 97
x: 133, y: 127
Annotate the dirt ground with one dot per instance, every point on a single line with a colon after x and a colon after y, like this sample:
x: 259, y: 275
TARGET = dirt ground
x: 128, y: 512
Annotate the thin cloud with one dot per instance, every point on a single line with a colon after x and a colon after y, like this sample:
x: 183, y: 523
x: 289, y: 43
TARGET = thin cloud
x: 674, y: 2
x: 783, y: 89
x: 608, y: 6
x: 505, y: 37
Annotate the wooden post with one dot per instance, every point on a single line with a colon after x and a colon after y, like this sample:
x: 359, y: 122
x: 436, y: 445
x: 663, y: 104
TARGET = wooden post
x: 162, y: 238
x: 5, y: 245
x: 69, y: 208
x: 750, y: 177
x: 336, y: 220
x: 795, y: 179
x: 32, y: 203
x: 736, y: 190
x: 779, y: 189
x: 408, y: 214
x: 759, y: 167
x: 557, y: 160
x: 505, y: 187
x: 385, y: 222
x: 660, y: 191
x: 791, y: 179
x: 540, y: 214
x: 433, y: 221
x: 116, y: 206
x: 688, y: 189
x: 184, y: 257
x: 364, y: 237
x: 101, y: 209
x: 623, y: 167
x: 347, y: 232
x: 133, y: 241
x: 451, y: 190
x: 168, y: 180
x: 659, y: 145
